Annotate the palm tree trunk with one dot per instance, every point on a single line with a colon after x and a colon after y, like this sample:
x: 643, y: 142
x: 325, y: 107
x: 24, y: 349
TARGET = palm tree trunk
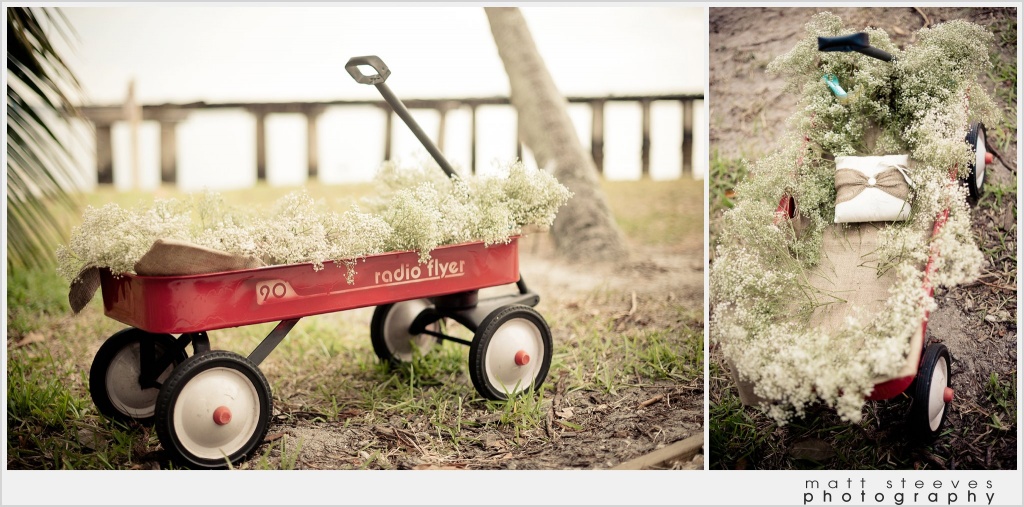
x: 584, y: 228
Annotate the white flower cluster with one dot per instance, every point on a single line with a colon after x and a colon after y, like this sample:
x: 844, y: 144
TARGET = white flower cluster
x: 920, y: 104
x: 420, y: 209
x: 116, y: 238
x: 425, y: 208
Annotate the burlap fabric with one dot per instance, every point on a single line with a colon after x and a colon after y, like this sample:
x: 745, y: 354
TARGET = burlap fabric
x: 850, y: 183
x: 745, y: 387
x: 847, y: 283
x: 167, y: 257
x: 847, y: 279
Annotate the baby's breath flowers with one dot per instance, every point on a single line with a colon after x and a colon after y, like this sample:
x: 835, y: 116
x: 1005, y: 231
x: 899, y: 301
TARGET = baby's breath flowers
x: 420, y: 210
x: 921, y: 104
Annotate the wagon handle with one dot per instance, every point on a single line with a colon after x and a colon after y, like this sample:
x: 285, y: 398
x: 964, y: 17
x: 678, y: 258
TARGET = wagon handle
x: 854, y: 42
x: 372, y: 61
x: 396, y: 105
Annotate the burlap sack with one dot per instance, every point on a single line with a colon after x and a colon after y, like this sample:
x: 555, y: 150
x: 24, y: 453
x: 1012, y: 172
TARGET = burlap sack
x: 167, y: 257
x: 745, y: 388
x: 84, y: 288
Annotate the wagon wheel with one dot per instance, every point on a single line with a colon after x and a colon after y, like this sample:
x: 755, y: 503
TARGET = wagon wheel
x: 389, y: 331
x: 932, y: 392
x: 214, y: 408
x: 116, y: 369
x: 510, y: 353
x: 976, y: 179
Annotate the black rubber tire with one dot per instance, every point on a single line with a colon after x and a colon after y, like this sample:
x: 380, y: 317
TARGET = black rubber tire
x: 100, y: 387
x: 170, y: 397
x: 975, y: 188
x: 379, y: 333
x: 922, y: 424
x: 483, y: 339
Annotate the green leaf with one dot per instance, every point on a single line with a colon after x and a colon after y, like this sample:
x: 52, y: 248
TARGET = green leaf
x: 40, y: 89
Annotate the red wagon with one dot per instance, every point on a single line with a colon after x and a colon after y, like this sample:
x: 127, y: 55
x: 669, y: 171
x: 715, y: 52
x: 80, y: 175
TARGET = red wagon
x: 215, y: 407
x: 848, y: 266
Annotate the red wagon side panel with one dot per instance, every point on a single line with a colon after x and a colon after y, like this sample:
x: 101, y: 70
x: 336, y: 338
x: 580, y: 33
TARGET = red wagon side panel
x: 185, y: 304
x: 891, y: 388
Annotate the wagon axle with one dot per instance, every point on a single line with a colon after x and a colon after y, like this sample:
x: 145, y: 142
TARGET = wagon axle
x: 222, y: 415
x: 522, y: 358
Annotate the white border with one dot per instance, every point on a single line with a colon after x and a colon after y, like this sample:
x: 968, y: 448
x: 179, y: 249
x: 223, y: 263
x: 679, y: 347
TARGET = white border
x: 707, y: 228
x: 508, y: 487
x: 513, y: 488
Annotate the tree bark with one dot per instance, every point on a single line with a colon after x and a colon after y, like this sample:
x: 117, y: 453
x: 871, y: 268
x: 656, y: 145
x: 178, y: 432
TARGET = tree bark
x: 584, y: 229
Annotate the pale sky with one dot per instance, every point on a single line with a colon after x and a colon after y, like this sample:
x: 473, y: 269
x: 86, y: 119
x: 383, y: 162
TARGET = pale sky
x: 283, y: 53
x: 275, y: 53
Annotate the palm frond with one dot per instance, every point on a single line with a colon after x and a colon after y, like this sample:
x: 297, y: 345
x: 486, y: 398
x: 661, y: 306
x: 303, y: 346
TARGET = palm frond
x: 40, y: 92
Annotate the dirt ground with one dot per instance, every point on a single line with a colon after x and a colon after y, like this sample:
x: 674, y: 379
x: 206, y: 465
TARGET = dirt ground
x: 748, y: 109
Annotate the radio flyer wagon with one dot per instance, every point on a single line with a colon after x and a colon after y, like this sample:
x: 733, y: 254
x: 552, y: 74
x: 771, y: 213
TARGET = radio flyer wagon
x: 850, y: 266
x: 215, y: 406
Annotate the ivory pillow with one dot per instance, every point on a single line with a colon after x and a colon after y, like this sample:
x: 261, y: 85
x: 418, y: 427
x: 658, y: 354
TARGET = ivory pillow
x: 872, y: 189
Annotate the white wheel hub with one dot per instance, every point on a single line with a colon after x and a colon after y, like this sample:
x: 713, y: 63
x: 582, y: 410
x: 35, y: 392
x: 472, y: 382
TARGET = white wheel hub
x: 936, y: 393
x: 396, y: 330
x: 122, y: 383
x: 216, y: 413
x: 979, y: 159
x: 514, y: 356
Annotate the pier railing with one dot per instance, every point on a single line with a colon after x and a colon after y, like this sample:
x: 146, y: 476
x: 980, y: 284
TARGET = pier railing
x: 169, y: 115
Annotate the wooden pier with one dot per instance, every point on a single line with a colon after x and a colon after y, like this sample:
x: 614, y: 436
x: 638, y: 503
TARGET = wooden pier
x: 169, y: 115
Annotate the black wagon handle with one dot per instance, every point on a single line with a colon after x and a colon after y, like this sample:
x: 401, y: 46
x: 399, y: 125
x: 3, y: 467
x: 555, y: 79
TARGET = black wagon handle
x: 372, y: 61
x: 397, y: 106
x: 858, y: 42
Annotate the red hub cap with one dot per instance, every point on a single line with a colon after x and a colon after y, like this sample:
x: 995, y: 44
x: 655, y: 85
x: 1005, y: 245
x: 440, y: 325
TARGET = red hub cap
x: 522, y: 358
x: 988, y: 158
x: 222, y: 415
x: 947, y: 394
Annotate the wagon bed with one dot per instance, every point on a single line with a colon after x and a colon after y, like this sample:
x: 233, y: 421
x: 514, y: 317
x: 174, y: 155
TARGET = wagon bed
x: 849, y: 272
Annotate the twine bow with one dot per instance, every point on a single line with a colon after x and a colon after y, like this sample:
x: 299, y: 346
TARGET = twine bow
x: 850, y: 183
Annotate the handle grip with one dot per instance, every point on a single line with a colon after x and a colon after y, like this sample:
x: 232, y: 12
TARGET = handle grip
x: 858, y: 42
x: 373, y: 61
x: 396, y: 105
x: 851, y: 42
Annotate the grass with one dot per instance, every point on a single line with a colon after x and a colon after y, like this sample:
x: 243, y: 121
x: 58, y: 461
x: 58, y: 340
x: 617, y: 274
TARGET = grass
x: 723, y: 176
x: 998, y: 197
x: 288, y: 457
x: 261, y: 194
x: 35, y: 296
x: 325, y: 374
x: 659, y: 213
x: 999, y: 243
x: 1003, y: 76
x: 48, y: 421
x: 1003, y: 393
